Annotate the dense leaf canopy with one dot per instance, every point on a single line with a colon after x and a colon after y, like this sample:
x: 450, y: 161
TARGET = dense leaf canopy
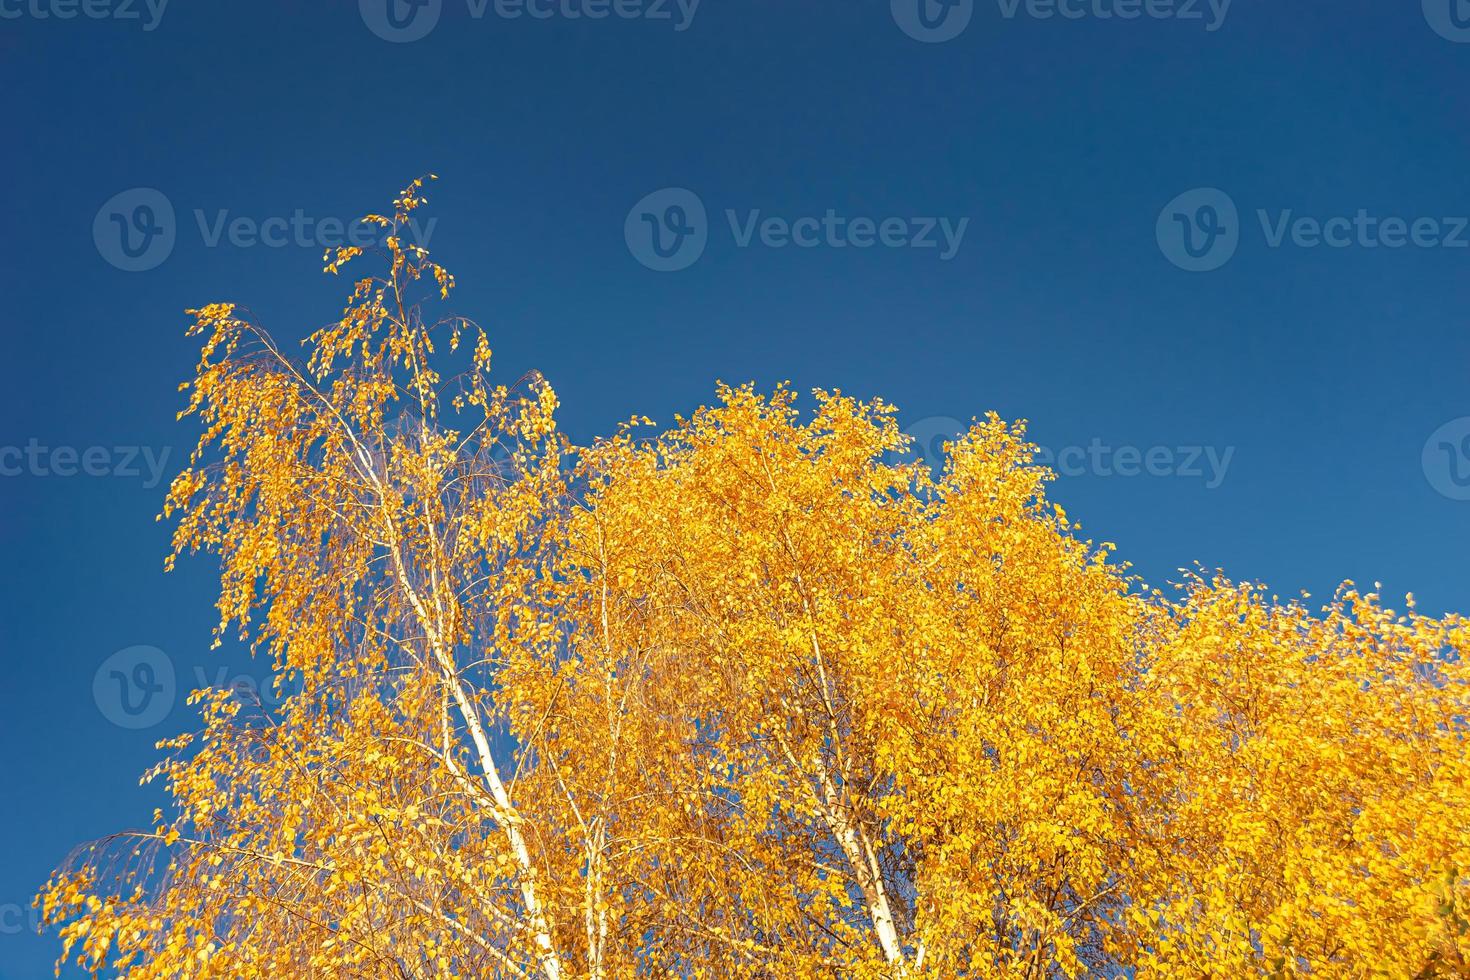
x: 752, y: 697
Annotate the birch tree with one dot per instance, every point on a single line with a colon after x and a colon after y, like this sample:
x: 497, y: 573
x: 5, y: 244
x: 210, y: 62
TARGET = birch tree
x: 748, y: 697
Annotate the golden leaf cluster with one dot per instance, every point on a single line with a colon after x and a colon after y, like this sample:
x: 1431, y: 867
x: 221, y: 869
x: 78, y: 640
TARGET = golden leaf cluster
x: 750, y: 698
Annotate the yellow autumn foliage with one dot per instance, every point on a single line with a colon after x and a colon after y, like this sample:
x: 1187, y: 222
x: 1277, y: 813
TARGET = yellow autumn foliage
x: 752, y: 697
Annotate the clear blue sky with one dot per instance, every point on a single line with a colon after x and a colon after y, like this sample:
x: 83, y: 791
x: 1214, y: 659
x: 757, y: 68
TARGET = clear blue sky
x: 1319, y: 377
